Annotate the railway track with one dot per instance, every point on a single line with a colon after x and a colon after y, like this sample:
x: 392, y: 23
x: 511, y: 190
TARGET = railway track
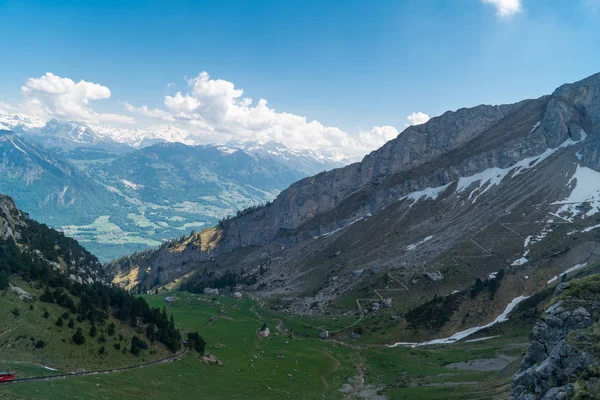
x: 89, y: 373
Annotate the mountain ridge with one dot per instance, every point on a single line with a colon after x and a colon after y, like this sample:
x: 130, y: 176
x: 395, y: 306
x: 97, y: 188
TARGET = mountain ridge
x: 434, y: 199
x: 122, y: 203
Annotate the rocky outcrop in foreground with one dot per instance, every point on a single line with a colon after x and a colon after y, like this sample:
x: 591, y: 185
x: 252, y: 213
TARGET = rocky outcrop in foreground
x: 562, y: 361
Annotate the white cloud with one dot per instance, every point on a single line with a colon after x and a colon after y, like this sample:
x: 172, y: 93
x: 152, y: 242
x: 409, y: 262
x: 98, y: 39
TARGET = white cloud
x: 53, y: 96
x: 215, y: 110
x: 417, y: 118
x: 376, y: 137
x: 210, y: 111
x: 505, y: 8
x: 145, y: 111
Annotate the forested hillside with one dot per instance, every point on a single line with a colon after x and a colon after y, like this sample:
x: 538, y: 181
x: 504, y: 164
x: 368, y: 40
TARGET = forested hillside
x: 55, y: 293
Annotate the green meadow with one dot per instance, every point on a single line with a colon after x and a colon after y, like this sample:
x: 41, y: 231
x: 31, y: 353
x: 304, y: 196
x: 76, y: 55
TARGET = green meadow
x: 292, y: 363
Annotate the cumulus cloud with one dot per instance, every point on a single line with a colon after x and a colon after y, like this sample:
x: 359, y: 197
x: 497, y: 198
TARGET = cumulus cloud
x: 145, y: 111
x: 208, y: 111
x: 505, y: 8
x: 54, y: 96
x: 417, y: 118
x: 215, y: 110
x: 375, y: 138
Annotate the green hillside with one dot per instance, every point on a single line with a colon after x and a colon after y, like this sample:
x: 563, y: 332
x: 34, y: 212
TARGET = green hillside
x: 294, y: 363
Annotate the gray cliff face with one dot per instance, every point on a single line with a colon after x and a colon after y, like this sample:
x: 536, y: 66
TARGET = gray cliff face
x: 10, y: 218
x: 436, y: 154
x: 584, y: 95
x: 455, y: 144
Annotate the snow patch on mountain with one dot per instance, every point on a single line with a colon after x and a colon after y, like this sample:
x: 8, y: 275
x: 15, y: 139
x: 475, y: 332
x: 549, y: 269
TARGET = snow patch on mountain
x: 537, y: 124
x: 493, y: 176
x: 590, y: 228
x: 337, y: 230
x: 12, y: 121
x: 572, y: 269
x: 18, y: 148
x: 427, y: 193
x: 586, y: 189
x: 468, y: 332
x: 415, y: 245
x: 132, y: 185
x: 520, y: 261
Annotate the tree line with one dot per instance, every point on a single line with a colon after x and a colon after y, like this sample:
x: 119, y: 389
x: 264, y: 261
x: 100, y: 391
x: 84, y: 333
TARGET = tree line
x: 35, y: 258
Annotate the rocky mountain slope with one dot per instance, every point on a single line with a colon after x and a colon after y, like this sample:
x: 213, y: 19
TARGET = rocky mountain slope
x: 170, y: 173
x: 46, y: 185
x: 472, y: 192
x: 563, y: 360
x: 41, y: 247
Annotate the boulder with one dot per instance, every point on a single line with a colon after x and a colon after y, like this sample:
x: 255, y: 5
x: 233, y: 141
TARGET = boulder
x: 23, y: 295
x: 434, y: 276
x: 211, y: 292
x: 375, y: 269
x: 237, y: 295
x: 265, y: 333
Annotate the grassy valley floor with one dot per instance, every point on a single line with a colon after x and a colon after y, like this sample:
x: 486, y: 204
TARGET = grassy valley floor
x: 292, y: 363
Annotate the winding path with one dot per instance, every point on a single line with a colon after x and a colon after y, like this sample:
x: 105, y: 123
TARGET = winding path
x: 89, y: 373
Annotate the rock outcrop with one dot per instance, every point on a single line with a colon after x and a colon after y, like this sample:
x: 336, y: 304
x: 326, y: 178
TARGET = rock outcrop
x: 562, y: 360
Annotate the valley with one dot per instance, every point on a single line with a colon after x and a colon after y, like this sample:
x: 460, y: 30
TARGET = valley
x: 293, y: 362
x: 303, y: 200
x: 116, y: 199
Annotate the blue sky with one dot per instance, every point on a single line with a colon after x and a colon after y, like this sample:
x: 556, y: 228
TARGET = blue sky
x: 352, y: 65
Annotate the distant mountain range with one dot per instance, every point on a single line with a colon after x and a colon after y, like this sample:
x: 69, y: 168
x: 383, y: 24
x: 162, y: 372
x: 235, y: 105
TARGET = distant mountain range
x: 116, y: 199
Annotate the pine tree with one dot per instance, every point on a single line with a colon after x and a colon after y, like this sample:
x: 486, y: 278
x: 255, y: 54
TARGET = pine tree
x: 59, y: 321
x: 78, y: 337
x: 196, y: 342
x: 93, y: 331
x: 71, y: 323
x: 3, y: 280
x: 46, y: 314
x: 47, y: 297
x: 111, y: 329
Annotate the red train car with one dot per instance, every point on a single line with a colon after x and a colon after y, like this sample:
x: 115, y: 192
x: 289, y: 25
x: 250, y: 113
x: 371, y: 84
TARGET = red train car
x: 6, y: 376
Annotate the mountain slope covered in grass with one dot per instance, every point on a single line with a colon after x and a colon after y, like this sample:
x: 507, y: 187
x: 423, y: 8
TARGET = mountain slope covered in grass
x: 57, y: 302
